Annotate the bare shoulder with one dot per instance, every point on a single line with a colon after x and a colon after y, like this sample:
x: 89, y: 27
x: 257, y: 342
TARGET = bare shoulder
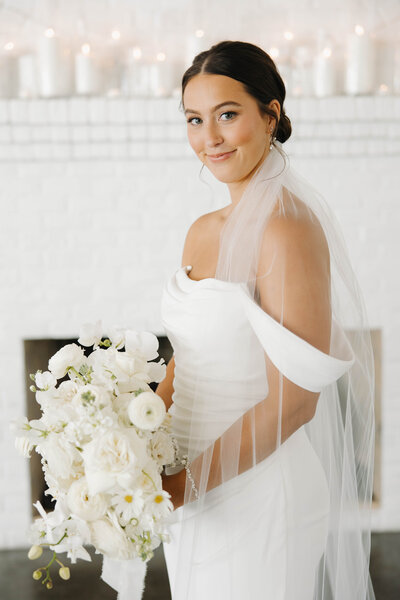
x: 201, y: 230
x: 295, y: 228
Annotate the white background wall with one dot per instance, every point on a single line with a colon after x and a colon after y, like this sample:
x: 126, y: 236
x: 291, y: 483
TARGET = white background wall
x: 91, y: 227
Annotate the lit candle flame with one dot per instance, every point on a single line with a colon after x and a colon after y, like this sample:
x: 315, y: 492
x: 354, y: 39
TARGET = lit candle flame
x: 115, y: 34
x: 85, y: 49
x: 288, y: 35
x: 273, y: 52
x: 327, y: 52
x: 50, y: 32
x: 359, y: 30
x: 161, y: 56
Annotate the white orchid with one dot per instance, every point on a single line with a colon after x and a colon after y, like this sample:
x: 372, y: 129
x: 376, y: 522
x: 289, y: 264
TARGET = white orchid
x: 70, y: 356
x: 90, y: 334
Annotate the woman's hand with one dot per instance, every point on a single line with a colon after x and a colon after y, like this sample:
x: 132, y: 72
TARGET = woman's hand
x: 175, y: 486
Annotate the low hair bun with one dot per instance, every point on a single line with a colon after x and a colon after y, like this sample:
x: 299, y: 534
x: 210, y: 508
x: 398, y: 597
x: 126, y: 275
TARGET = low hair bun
x: 284, y: 130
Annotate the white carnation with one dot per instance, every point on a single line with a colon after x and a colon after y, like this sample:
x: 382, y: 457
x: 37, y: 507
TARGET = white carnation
x: 70, y: 355
x: 82, y: 504
x: 147, y: 410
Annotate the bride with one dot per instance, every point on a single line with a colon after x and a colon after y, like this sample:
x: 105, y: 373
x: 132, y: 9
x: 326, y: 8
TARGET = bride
x: 271, y: 398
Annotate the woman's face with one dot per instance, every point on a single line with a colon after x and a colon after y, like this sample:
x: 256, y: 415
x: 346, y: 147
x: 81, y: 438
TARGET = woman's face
x: 238, y: 129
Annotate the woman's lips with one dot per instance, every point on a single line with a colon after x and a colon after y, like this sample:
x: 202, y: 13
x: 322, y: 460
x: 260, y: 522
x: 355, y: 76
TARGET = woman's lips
x: 221, y: 156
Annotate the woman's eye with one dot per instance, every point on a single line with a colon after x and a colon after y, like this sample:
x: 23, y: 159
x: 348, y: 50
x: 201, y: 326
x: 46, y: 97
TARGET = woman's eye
x: 229, y: 112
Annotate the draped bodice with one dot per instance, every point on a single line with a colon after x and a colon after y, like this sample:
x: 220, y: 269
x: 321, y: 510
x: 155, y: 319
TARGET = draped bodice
x: 219, y: 336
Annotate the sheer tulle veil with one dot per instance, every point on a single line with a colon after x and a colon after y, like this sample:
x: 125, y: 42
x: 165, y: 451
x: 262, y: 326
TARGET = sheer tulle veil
x: 340, y: 376
x: 342, y: 428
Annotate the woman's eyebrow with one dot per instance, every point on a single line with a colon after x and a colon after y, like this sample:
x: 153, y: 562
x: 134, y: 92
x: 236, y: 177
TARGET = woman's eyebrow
x: 187, y: 110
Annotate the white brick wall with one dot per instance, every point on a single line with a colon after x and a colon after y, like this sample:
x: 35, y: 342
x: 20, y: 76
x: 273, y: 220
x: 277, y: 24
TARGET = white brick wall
x: 96, y: 198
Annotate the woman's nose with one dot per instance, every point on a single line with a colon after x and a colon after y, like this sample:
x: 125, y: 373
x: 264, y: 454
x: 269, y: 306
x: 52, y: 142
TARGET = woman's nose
x: 212, y: 135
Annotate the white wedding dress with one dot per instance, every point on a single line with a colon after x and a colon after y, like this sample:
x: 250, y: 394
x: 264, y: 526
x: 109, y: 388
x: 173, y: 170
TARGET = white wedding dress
x: 288, y: 498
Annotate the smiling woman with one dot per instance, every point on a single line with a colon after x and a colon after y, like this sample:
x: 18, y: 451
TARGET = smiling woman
x: 272, y: 406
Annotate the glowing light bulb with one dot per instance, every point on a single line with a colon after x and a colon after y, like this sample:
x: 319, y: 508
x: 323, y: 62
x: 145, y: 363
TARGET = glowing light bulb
x: 273, y: 52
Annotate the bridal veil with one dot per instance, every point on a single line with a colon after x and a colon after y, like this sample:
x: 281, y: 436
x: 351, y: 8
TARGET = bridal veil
x: 283, y: 247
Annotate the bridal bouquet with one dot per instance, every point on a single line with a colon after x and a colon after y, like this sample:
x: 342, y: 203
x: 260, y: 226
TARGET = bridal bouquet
x: 104, y: 437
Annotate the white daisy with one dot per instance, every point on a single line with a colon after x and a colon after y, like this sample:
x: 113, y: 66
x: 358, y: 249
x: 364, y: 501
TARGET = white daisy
x: 159, y: 504
x: 128, y: 504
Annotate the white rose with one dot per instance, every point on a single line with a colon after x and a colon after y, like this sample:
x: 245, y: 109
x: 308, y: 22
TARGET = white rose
x: 90, y: 334
x: 70, y: 355
x: 113, y: 458
x: 45, y: 380
x: 82, y: 504
x: 109, y: 539
x: 147, y: 410
x: 162, y: 448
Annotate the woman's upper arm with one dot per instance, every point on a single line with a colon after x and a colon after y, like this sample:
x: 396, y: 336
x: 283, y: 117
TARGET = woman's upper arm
x: 294, y: 278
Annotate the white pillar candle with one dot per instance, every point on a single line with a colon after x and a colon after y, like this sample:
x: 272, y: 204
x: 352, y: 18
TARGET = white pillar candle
x: 163, y: 76
x: 302, y: 72
x: 360, y: 68
x: 324, y: 73
x: 5, y: 76
x: 50, y: 64
x: 195, y: 43
x: 87, y: 75
x: 27, y: 76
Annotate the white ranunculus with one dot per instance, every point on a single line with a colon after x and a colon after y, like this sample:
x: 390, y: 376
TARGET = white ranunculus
x: 70, y: 355
x: 90, y: 334
x: 84, y: 505
x: 142, y: 343
x: 113, y: 458
x: 147, y: 410
x: 45, y: 380
x: 109, y: 539
x: 162, y: 448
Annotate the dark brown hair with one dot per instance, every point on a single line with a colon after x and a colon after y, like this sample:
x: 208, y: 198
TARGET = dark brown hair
x: 254, y: 68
